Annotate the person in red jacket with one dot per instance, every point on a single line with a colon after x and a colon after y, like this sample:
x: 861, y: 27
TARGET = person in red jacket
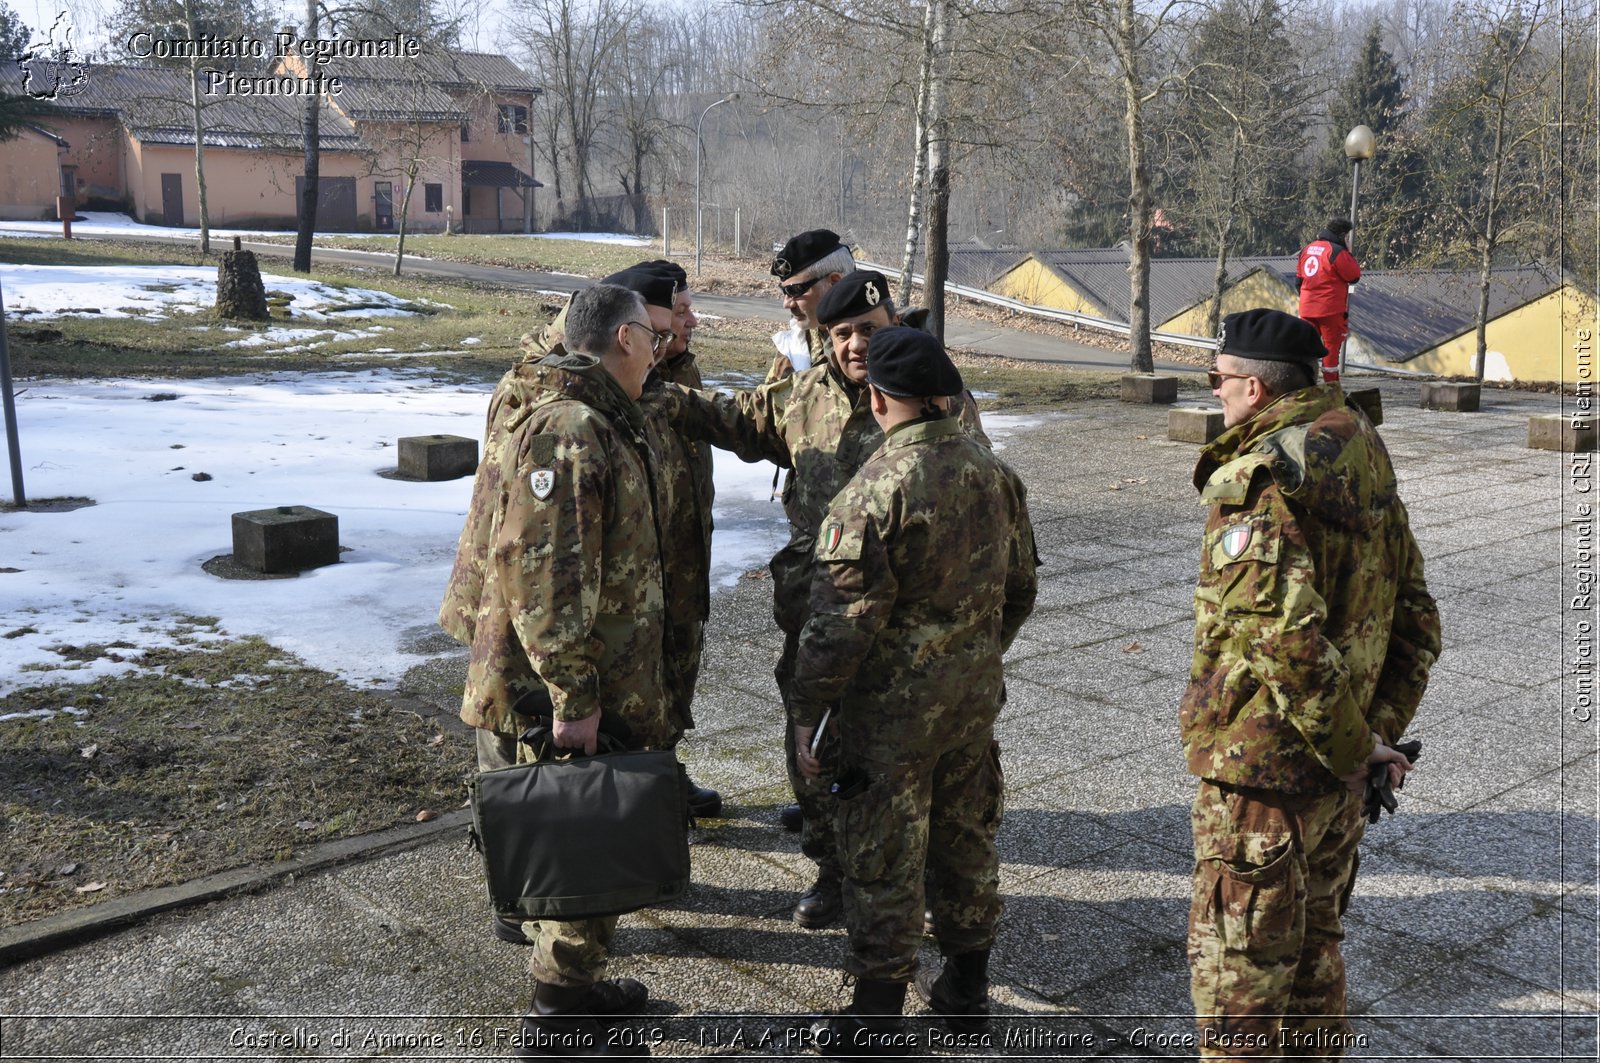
x: 1323, y: 277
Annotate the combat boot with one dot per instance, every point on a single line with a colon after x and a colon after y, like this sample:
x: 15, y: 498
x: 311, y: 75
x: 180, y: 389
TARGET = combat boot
x: 960, y: 994
x: 565, y: 1021
x: 704, y: 802
x: 792, y: 817
x: 873, y: 1024
x: 820, y: 905
x: 509, y: 930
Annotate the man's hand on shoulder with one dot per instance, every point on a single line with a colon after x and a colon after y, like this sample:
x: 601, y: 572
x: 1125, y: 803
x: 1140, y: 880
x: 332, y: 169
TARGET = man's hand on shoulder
x: 577, y: 734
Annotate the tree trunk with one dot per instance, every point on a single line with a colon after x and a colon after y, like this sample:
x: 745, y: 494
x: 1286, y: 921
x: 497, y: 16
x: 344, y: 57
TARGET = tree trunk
x: 1141, y: 360
x: 199, y: 135
x: 310, y: 193
x: 938, y: 268
x: 405, y: 213
x: 1491, y: 235
x: 1219, y: 279
x: 919, y: 163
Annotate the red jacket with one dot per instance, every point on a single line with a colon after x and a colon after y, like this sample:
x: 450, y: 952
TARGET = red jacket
x: 1324, y: 275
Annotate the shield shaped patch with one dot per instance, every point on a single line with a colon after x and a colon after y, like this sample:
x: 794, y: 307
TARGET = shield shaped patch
x: 1236, y: 540
x: 831, y: 536
x: 543, y: 481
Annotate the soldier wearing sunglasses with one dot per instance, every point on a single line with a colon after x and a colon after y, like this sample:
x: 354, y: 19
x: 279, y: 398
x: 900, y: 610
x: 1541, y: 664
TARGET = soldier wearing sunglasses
x: 806, y: 268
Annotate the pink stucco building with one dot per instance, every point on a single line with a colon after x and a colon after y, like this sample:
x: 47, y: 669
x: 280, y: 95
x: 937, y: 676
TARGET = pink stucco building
x: 451, y: 125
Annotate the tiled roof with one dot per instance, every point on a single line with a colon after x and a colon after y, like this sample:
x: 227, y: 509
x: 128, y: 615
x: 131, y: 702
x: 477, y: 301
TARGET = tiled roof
x: 153, y: 102
x: 449, y: 69
x: 479, y: 173
x: 396, y: 101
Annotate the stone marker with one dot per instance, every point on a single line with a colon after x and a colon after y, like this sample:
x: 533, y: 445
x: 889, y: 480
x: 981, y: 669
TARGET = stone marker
x: 1194, y: 424
x: 1149, y: 388
x: 1570, y: 435
x: 437, y: 457
x: 1370, y: 402
x: 285, y: 539
x: 1449, y: 396
x: 241, y: 295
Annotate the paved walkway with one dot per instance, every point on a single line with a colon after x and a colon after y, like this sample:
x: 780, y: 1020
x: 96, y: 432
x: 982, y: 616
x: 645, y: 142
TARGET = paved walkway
x: 1472, y: 934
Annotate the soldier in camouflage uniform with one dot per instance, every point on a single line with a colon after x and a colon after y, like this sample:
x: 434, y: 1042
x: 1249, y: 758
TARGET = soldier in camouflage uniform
x: 806, y: 268
x: 1314, y: 634
x: 557, y: 590
x: 816, y: 423
x: 684, y: 493
x: 925, y: 571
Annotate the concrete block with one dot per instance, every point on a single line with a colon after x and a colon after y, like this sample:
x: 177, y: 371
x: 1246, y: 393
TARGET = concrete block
x: 1369, y: 401
x: 1192, y: 424
x: 437, y: 457
x: 1570, y: 435
x: 1149, y: 388
x: 1452, y: 397
x: 285, y: 539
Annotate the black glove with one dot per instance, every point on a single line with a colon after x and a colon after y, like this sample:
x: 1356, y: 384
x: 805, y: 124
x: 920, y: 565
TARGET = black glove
x: 1380, y: 797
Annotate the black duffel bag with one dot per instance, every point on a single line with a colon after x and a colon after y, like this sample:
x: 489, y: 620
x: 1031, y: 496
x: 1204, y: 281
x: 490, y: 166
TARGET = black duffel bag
x: 574, y: 837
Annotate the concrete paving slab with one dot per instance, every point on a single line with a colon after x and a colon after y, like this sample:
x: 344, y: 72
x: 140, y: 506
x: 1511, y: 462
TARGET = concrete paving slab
x: 1476, y: 903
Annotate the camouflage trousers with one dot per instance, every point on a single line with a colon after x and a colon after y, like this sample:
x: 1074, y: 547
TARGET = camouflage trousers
x: 937, y: 814
x: 568, y: 954
x: 1272, y: 877
x: 813, y: 795
x: 681, y: 672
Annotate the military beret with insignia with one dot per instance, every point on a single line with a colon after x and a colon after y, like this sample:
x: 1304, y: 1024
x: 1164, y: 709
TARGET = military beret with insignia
x: 654, y: 287
x: 809, y: 247
x: 852, y: 295
x: 911, y: 364
x: 1270, y: 336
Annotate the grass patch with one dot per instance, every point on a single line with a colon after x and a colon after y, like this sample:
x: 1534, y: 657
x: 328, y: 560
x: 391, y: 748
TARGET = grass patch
x: 518, y: 252
x: 220, y: 756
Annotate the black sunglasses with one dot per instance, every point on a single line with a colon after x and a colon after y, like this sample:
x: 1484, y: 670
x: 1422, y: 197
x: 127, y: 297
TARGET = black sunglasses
x: 795, y: 291
x: 1215, y: 378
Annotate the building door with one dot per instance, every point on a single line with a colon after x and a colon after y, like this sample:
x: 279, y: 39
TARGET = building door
x: 172, y: 198
x: 383, y: 205
x: 336, y: 203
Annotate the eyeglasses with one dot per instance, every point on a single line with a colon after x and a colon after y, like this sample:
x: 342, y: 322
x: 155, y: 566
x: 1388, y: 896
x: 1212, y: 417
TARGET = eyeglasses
x: 796, y: 290
x: 659, y: 341
x: 1215, y: 378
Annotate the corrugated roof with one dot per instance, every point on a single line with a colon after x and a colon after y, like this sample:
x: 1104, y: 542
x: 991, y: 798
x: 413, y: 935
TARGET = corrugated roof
x: 973, y: 267
x: 1176, y: 284
x: 1399, y: 314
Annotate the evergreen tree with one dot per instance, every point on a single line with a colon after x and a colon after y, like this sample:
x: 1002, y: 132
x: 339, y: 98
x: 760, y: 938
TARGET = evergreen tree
x: 1392, y: 204
x: 15, y: 36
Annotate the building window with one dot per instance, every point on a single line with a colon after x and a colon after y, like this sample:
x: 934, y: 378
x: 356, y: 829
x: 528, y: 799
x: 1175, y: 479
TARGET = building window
x: 466, y: 201
x: 513, y: 119
x: 433, y: 198
x: 466, y: 135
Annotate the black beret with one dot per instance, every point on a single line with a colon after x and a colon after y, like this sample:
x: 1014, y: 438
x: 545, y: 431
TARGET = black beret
x: 656, y: 287
x: 911, y: 364
x: 852, y: 295
x: 809, y: 247
x: 679, y: 275
x: 1270, y: 336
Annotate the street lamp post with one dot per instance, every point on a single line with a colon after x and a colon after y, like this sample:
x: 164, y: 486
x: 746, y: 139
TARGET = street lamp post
x: 699, y: 149
x: 1359, y: 146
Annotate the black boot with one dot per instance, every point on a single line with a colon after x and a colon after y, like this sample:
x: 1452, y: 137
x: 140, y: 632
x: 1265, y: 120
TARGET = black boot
x: 960, y: 994
x: 873, y: 1024
x: 704, y: 802
x: 509, y: 930
x: 564, y: 1022
x: 821, y: 905
x: 792, y: 817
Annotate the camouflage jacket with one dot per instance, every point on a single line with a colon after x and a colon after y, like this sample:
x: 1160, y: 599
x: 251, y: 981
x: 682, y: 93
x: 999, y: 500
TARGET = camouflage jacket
x: 925, y: 571
x: 557, y: 580
x: 818, y: 344
x: 683, y: 371
x: 1314, y: 629
x: 816, y: 424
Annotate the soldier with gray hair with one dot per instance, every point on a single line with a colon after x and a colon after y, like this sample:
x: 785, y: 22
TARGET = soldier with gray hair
x: 1314, y: 636
x: 557, y: 590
